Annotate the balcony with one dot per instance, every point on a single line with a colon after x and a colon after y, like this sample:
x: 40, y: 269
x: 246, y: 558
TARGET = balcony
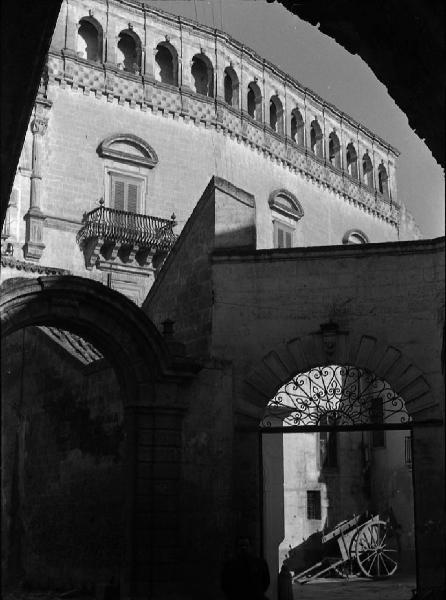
x: 124, y: 239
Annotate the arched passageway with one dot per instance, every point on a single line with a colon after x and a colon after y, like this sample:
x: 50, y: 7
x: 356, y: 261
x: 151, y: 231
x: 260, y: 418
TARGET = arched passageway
x: 336, y: 444
x: 146, y: 376
x: 327, y: 347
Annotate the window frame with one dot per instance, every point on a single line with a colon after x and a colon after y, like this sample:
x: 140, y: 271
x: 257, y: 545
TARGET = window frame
x: 285, y: 217
x: 137, y: 181
x: 312, y: 507
x: 279, y: 224
x: 113, y: 171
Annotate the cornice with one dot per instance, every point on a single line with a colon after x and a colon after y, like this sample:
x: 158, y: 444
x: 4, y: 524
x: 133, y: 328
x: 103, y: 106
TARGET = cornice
x: 434, y: 246
x: 138, y: 91
x: 21, y: 265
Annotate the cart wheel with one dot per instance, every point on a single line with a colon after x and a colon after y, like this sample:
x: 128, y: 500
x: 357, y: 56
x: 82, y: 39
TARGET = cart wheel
x: 374, y: 550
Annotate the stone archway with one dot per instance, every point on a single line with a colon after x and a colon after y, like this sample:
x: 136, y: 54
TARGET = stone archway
x: 330, y: 345
x: 148, y: 376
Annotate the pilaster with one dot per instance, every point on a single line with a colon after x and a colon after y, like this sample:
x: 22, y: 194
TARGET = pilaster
x: 35, y: 218
x: 70, y: 29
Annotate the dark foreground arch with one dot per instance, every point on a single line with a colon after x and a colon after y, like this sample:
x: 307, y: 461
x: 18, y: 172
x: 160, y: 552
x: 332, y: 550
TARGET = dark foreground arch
x: 149, y: 377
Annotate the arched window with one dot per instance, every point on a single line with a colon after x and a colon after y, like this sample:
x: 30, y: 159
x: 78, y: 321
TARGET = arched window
x: 231, y: 87
x: 383, y: 181
x: 254, y: 101
x: 316, y: 142
x: 367, y: 170
x: 166, y: 60
x: 352, y: 161
x: 297, y: 127
x: 276, y: 114
x: 129, y: 51
x: 334, y: 150
x: 355, y: 236
x: 203, y: 75
x: 89, y: 39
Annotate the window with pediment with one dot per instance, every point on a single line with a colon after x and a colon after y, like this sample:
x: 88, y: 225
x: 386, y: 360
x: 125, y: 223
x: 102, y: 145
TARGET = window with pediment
x: 286, y: 212
x: 355, y: 236
x: 128, y: 160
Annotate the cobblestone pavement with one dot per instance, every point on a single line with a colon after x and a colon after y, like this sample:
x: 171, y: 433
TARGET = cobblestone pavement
x: 394, y: 588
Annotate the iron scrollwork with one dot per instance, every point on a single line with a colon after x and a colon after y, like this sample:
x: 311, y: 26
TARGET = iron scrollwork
x: 346, y: 395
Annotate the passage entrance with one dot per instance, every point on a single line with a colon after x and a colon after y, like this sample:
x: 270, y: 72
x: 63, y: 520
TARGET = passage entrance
x: 337, y: 478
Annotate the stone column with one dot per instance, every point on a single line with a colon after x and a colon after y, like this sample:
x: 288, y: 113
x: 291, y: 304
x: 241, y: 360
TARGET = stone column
x: 153, y: 556
x: 35, y: 218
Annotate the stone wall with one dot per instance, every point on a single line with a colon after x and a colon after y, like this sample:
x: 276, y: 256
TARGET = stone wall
x: 268, y: 306
x: 62, y: 451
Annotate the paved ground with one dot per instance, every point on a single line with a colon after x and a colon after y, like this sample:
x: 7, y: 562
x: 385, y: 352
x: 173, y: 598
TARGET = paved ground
x: 394, y: 588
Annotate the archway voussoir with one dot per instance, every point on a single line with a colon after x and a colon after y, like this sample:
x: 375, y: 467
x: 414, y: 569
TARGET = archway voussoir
x: 387, y: 363
x: 423, y: 407
x: 360, y: 353
x: 276, y: 367
x: 262, y: 385
x: 296, y: 350
x: 398, y: 370
x: 64, y: 308
x: 411, y: 384
x: 342, y: 349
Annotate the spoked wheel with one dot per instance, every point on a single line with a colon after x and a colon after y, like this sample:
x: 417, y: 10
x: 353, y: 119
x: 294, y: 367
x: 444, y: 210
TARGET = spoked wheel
x: 375, y: 551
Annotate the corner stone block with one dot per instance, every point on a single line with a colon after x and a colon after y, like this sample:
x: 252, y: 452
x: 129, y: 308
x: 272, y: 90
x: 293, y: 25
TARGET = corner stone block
x: 234, y: 216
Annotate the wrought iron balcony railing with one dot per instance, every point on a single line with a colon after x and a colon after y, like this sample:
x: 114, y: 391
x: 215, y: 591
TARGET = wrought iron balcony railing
x: 127, y: 229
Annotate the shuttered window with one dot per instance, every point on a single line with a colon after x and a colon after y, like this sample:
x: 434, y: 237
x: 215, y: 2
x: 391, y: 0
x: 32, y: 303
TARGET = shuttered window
x: 283, y: 236
x: 125, y: 193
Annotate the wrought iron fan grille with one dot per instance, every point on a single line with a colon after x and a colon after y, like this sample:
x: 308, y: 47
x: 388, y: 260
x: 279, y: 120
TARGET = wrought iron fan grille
x: 339, y: 395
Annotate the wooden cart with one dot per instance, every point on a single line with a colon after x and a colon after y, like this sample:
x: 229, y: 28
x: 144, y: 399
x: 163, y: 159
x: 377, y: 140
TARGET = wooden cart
x: 365, y: 546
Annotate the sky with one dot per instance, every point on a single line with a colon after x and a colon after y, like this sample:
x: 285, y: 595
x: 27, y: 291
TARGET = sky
x: 344, y: 79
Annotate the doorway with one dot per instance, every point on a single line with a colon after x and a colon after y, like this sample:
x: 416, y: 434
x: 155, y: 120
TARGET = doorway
x: 337, y: 460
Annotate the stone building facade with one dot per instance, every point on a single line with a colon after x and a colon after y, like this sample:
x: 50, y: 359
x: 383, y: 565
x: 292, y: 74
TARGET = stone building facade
x: 102, y: 121
x: 148, y: 128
